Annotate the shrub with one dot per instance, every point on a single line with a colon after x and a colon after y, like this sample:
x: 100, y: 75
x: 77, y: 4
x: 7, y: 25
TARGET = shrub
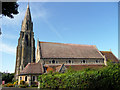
x: 16, y: 82
x: 7, y: 77
x: 22, y: 82
x: 9, y: 85
x: 22, y: 86
x: 34, y: 84
x: 104, y: 78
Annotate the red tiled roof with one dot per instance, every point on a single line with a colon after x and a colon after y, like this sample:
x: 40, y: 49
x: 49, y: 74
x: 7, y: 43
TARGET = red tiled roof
x: 60, y: 50
x: 80, y: 67
x: 75, y: 67
x: 54, y: 68
x: 110, y: 56
x: 32, y: 68
x: 49, y: 69
x: 58, y: 68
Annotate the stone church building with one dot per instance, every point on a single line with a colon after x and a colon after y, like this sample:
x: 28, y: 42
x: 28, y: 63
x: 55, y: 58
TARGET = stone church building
x: 50, y: 56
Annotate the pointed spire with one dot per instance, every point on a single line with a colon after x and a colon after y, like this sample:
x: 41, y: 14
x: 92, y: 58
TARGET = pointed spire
x: 28, y: 5
x: 28, y: 14
x: 27, y: 19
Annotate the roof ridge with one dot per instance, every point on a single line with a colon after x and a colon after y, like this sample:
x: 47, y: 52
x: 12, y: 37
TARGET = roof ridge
x: 66, y: 43
x: 106, y: 51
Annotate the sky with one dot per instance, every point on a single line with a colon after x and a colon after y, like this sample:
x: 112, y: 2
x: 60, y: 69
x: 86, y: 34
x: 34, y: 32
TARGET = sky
x: 91, y: 23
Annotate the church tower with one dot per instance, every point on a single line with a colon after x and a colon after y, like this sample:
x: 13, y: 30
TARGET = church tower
x: 26, y: 44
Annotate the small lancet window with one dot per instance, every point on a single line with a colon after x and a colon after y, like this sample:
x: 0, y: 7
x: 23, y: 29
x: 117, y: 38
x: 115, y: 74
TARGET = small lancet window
x: 83, y: 61
x: 97, y: 61
x: 33, y: 78
x: 69, y: 61
x: 25, y: 78
x: 49, y: 62
x: 56, y: 61
x: 20, y: 78
x: 66, y: 62
x: 26, y: 38
x: 27, y: 25
x: 53, y: 61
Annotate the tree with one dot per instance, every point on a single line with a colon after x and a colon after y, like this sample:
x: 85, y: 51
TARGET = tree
x: 7, y: 77
x: 9, y: 8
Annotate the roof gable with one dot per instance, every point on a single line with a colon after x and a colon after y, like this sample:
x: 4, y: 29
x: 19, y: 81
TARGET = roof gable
x: 110, y: 56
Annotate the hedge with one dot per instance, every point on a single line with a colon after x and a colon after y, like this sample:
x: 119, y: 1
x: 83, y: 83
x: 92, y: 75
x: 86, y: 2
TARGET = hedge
x: 105, y: 78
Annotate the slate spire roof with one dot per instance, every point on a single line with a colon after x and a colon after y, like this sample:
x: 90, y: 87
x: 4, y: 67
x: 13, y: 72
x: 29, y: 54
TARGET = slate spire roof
x: 27, y: 18
x: 27, y: 14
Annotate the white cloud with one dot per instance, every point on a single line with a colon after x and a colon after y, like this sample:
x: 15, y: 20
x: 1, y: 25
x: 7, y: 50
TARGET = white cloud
x: 7, y: 49
x: 9, y: 36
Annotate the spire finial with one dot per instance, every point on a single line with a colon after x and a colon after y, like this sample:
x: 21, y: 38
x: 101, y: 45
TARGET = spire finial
x: 110, y: 49
x: 28, y: 4
x: 37, y: 39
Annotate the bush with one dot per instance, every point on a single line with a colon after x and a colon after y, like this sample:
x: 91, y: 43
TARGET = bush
x: 104, y: 78
x: 7, y: 77
x: 34, y: 84
x: 9, y: 85
x: 22, y: 86
x: 15, y: 83
x: 22, y: 82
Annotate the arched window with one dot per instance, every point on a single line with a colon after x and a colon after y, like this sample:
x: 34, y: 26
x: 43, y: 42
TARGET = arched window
x: 56, y: 61
x: 25, y: 78
x: 22, y: 35
x: 97, y: 61
x: 27, y: 25
x: 53, y: 61
x: 66, y: 62
x: 22, y: 67
x: 33, y: 78
x: 20, y: 78
x: 69, y: 61
x: 26, y: 39
x: 83, y: 61
x: 49, y: 62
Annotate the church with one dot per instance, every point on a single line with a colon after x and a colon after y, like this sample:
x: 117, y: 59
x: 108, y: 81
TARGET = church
x: 51, y: 56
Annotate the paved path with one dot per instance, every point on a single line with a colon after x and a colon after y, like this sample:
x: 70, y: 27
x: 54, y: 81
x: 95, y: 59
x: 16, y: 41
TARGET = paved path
x: 12, y: 88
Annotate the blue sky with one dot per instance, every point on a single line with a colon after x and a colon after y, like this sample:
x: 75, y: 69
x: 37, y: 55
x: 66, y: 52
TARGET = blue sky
x: 78, y: 23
